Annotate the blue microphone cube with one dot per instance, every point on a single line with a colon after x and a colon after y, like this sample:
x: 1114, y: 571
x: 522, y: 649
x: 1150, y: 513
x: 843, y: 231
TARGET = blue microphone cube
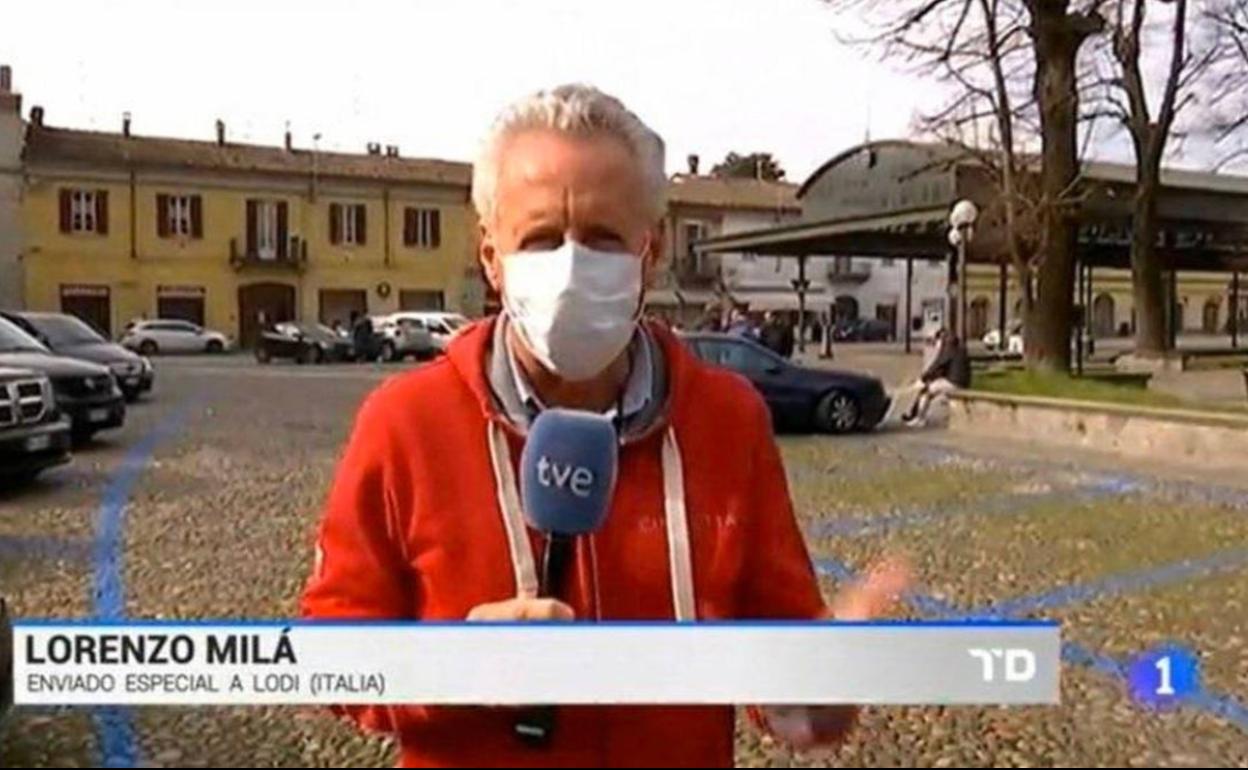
x: 567, y: 471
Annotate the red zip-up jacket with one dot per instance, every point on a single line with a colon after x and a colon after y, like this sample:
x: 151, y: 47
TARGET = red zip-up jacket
x: 413, y: 530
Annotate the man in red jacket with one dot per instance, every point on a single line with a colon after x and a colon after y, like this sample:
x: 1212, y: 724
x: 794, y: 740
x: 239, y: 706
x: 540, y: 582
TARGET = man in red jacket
x: 424, y: 520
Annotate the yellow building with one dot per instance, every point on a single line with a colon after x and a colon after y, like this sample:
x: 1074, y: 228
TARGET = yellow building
x: 234, y: 236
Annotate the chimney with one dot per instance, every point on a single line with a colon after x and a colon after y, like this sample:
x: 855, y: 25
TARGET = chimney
x: 125, y: 124
x: 220, y: 132
x: 392, y: 151
x: 10, y: 102
x: 374, y: 148
x: 36, y: 116
x: 289, y: 143
x: 693, y: 164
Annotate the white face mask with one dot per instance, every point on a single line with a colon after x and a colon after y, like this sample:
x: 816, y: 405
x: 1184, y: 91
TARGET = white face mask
x: 576, y: 308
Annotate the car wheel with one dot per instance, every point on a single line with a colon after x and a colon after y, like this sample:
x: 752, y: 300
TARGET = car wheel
x: 214, y: 347
x: 80, y: 436
x: 310, y: 355
x: 262, y: 355
x: 838, y: 412
x: 149, y: 347
x: 388, y: 352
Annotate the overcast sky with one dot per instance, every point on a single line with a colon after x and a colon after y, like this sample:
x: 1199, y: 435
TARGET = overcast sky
x: 709, y: 75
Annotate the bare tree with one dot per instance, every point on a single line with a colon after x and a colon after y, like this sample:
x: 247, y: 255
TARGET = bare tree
x: 1228, y: 90
x: 1014, y: 64
x: 1152, y: 130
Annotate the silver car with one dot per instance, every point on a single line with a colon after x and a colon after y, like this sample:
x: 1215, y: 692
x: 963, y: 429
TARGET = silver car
x: 172, y: 336
x: 400, y: 337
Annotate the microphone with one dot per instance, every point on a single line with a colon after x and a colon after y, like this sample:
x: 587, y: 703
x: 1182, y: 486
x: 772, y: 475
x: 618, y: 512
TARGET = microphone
x: 567, y: 477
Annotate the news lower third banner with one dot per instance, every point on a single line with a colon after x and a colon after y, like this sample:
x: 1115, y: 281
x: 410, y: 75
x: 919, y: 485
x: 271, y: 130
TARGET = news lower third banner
x: 179, y: 663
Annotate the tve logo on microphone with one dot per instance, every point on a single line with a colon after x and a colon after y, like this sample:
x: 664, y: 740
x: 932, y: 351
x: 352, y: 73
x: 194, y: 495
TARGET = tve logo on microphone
x: 567, y: 471
x: 577, y: 479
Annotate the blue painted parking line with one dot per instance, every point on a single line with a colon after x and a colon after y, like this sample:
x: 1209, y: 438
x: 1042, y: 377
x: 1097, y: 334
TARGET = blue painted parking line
x: 114, y: 726
x: 1174, y: 489
x: 17, y: 547
x: 1005, y: 504
x: 1118, y: 584
x: 1228, y: 708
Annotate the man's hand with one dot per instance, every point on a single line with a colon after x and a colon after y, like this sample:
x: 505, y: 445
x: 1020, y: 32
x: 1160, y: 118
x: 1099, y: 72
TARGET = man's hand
x: 870, y: 597
x: 522, y: 609
x: 874, y: 595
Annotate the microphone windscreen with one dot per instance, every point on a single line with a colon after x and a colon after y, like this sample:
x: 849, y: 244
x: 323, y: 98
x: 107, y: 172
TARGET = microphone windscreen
x: 567, y: 471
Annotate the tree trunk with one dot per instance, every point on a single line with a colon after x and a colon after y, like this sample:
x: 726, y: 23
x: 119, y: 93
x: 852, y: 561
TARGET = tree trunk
x: 1151, y: 336
x: 1049, y: 320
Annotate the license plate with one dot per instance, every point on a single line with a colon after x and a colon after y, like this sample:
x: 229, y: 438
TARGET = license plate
x: 97, y: 415
x: 38, y: 443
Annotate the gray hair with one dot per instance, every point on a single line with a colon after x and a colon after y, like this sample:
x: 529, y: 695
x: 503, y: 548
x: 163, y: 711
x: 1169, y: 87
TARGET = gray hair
x: 578, y: 110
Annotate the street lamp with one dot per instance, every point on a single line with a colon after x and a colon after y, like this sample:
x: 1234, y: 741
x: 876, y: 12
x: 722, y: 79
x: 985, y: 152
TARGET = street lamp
x: 961, y: 233
x: 316, y: 151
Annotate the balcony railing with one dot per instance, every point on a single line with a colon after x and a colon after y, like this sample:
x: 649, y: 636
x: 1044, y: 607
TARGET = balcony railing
x: 295, y: 258
x: 692, y: 272
x: 857, y: 271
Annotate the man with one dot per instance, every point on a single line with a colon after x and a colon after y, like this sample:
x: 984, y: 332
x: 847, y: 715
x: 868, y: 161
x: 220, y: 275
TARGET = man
x: 362, y: 336
x: 788, y: 336
x: 772, y: 335
x: 423, y: 523
x: 739, y: 323
x: 946, y: 368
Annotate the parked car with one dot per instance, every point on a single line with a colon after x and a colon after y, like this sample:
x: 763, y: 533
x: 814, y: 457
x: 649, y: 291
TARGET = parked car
x: 86, y: 392
x: 68, y: 336
x: 442, y: 326
x: 863, y: 330
x: 1014, y: 343
x: 34, y: 433
x: 799, y: 397
x: 172, y: 336
x: 401, y: 336
x: 304, y: 343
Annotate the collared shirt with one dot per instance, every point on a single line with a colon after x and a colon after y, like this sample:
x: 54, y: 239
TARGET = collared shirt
x: 638, y: 389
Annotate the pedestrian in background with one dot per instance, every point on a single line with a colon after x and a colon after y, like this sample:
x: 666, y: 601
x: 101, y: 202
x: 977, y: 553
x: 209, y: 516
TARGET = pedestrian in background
x: 362, y: 335
x: 772, y: 335
x: 739, y: 324
x: 788, y: 336
x: 946, y: 368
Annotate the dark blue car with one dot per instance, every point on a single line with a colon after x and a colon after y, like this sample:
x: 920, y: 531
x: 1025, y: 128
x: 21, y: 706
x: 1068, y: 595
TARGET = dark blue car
x: 799, y: 397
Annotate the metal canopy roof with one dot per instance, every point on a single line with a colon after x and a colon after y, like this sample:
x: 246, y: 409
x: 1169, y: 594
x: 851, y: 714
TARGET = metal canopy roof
x: 922, y: 234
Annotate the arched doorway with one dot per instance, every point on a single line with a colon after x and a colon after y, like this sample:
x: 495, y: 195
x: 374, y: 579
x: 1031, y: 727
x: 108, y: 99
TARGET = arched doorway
x: 1103, y: 316
x: 977, y: 320
x: 261, y: 305
x: 1211, y: 315
x: 846, y: 308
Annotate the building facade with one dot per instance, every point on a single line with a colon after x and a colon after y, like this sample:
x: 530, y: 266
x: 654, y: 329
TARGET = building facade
x: 843, y: 287
x: 884, y: 204
x: 232, y: 236
x: 12, y: 282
